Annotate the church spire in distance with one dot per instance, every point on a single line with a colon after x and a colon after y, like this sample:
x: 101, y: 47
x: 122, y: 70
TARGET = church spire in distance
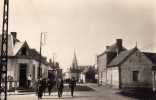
x: 74, y: 63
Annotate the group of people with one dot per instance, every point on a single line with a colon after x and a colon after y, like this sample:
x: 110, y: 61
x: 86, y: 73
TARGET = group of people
x: 59, y: 83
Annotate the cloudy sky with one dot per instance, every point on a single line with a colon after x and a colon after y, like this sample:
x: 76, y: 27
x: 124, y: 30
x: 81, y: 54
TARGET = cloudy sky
x: 84, y: 25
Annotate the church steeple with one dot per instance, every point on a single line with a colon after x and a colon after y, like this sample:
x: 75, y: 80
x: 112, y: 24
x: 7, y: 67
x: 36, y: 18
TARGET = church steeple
x: 74, y: 63
x: 75, y: 70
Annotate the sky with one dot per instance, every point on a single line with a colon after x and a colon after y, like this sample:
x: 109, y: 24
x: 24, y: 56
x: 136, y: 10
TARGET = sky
x: 85, y: 26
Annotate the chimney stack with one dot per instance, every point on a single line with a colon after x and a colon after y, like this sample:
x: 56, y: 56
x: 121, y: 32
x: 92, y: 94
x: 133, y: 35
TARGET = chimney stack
x: 14, y: 35
x: 119, y: 45
x: 107, y: 47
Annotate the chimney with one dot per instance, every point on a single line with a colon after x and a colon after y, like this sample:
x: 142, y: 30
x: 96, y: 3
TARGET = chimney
x: 119, y: 44
x: 107, y: 47
x: 14, y: 35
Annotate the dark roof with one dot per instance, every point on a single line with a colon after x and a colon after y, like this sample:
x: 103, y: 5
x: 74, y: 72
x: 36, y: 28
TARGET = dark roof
x: 151, y: 56
x: 121, y: 57
x: 35, y: 54
x: 112, y: 48
x: 101, y: 54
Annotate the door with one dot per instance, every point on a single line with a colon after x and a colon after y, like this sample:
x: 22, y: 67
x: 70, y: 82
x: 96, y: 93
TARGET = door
x: 22, y: 76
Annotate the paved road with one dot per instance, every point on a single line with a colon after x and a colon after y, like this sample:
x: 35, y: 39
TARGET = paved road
x: 100, y: 93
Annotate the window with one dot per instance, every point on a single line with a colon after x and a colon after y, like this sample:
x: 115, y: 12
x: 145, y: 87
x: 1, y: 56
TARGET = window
x: 135, y: 76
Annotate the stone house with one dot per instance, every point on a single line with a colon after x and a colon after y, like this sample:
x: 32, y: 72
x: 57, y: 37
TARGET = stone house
x: 106, y: 57
x: 132, y: 69
x: 127, y: 68
x: 23, y: 61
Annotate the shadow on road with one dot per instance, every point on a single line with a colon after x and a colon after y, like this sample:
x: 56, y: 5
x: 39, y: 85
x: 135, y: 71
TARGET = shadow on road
x: 65, y: 97
x: 140, y: 94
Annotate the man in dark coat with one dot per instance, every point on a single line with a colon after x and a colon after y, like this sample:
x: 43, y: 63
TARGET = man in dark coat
x: 44, y: 85
x: 60, y: 86
x: 72, y: 85
x: 39, y: 89
x: 51, y: 84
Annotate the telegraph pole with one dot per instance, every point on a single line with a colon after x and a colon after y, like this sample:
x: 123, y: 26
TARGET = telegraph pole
x: 40, y: 59
x: 4, y: 52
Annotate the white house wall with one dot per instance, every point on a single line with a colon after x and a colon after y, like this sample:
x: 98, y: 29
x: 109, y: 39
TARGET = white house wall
x: 113, y: 76
x: 14, y: 64
x: 12, y: 68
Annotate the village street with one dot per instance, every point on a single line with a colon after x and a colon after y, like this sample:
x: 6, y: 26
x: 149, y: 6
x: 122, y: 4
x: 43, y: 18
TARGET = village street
x: 100, y: 93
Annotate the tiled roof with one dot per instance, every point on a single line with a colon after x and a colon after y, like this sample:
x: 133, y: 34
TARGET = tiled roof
x: 121, y: 57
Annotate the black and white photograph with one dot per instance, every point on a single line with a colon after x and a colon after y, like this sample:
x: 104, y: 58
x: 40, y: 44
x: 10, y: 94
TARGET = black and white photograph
x: 77, y: 49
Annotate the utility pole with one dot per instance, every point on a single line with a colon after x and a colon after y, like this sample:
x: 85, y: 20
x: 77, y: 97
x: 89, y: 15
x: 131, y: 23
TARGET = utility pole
x: 54, y: 56
x: 40, y: 59
x: 4, y: 52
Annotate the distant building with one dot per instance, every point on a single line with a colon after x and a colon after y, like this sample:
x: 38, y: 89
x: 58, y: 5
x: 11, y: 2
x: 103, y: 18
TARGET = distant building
x: 82, y: 73
x: 88, y: 73
x: 74, y: 69
x: 54, y: 71
x: 131, y: 69
x: 23, y: 61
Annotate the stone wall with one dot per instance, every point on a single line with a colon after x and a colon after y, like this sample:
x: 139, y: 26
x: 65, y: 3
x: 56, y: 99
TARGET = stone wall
x: 136, y: 62
x: 101, y: 65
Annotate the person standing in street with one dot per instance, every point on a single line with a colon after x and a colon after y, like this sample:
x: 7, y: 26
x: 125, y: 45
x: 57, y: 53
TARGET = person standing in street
x: 51, y: 83
x: 72, y: 85
x: 39, y: 88
x: 29, y: 81
x: 60, y: 86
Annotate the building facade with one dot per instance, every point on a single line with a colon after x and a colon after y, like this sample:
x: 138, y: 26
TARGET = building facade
x: 131, y: 69
x: 23, y: 61
x: 105, y: 58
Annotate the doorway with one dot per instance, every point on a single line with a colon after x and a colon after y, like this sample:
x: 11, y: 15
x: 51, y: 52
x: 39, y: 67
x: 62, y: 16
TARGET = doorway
x: 22, y: 75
